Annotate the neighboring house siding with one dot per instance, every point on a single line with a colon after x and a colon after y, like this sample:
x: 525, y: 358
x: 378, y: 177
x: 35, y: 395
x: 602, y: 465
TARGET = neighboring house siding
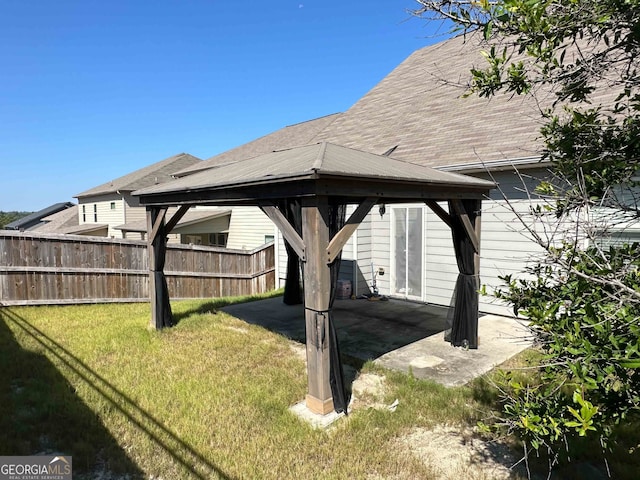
x: 134, y: 213
x: 99, y: 209
x: 219, y: 224
x: 111, y: 212
x: 248, y: 228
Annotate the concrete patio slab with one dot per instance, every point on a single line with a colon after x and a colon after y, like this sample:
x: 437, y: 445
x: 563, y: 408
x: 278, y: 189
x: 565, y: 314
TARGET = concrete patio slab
x: 500, y: 338
x: 399, y: 335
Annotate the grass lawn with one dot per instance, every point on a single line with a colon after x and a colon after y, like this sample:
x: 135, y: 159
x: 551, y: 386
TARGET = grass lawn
x: 208, y: 398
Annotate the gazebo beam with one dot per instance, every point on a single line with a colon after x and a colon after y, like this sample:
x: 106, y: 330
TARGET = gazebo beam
x: 317, y: 285
x: 288, y: 232
x: 153, y: 226
x: 439, y: 211
x: 471, y: 230
x: 177, y: 217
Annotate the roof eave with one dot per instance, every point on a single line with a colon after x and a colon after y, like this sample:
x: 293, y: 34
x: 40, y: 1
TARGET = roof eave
x: 313, y: 184
x: 496, y: 165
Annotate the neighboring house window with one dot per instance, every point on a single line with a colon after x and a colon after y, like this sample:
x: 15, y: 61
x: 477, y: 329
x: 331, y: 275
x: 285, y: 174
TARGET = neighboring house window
x: 269, y: 238
x: 113, y: 205
x: 84, y: 213
x: 218, y: 239
x: 95, y: 212
x: 191, y: 239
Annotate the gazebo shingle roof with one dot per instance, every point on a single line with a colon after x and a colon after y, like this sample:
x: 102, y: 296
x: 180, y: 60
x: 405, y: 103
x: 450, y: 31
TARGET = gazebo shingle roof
x: 277, y: 171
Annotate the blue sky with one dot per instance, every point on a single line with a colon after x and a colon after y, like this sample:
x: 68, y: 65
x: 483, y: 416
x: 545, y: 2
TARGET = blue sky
x: 92, y: 90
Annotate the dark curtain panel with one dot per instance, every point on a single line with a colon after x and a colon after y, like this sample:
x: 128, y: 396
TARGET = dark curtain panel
x: 337, y: 218
x: 464, y: 326
x: 292, y: 210
x: 161, y: 297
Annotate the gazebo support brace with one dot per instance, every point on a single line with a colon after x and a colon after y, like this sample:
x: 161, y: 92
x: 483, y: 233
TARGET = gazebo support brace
x: 157, y: 230
x: 317, y: 284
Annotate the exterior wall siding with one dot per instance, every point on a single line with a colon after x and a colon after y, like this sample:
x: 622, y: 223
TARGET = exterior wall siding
x: 134, y: 213
x: 248, y: 228
x: 99, y: 209
x: 362, y: 282
x: 441, y: 269
x: 219, y: 224
x: 505, y: 249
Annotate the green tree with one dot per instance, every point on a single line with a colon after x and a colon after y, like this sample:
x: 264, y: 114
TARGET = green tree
x: 583, y: 297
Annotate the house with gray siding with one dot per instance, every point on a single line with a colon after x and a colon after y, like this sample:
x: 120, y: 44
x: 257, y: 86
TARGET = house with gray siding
x: 419, y: 114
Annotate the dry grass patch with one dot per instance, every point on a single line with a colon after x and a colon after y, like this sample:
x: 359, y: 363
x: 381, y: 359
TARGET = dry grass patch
x: 457, y: 453
x: 206, y: 399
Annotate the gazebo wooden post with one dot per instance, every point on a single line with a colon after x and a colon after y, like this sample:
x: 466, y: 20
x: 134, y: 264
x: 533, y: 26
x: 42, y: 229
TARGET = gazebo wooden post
x: 152, y: 231
x: 317, y: 285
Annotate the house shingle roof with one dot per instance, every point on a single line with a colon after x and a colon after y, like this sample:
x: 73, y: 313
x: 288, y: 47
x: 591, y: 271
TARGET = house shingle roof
x: 159, y: 172
x: 419, y: 110
x: 58, y: 222
x: 419, y: 107
x: 34, y: 219
x: 288, y: 137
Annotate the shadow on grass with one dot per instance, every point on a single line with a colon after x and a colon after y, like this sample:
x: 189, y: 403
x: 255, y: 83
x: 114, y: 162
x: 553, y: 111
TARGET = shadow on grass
x: 46, y: 415
x: 42, y: 415
x: 213, y: 305
x: 366, y: 329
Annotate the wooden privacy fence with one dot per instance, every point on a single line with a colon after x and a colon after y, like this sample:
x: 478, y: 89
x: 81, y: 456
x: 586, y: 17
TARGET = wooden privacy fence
x: 48, y: 269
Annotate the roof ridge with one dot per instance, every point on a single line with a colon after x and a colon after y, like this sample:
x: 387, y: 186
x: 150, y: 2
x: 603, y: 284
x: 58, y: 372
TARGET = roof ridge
x: 312, y: 120
x: 317, y: 163
x: 337, y: 116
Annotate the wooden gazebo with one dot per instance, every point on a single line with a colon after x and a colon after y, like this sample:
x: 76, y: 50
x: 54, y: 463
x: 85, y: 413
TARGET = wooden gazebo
x: 318, y: 181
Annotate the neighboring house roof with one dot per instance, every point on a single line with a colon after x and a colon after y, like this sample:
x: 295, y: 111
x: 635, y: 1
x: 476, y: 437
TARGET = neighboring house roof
x: 154, y: 174
x: 86, y: 228
x: 288, y: 137
x: 190, y: 218
x: 60, y: 221
x: 34, y: 219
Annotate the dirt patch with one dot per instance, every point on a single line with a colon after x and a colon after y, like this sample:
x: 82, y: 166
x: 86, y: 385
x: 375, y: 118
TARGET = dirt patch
x: 455, y: 453
x: 368, y: 391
